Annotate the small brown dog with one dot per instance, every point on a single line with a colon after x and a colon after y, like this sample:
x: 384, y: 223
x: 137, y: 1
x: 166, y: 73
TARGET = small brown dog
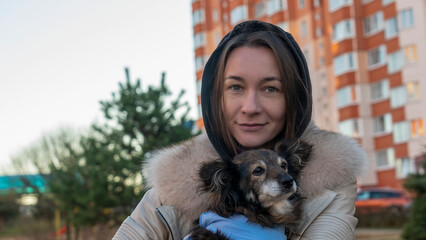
x: 259, y: 184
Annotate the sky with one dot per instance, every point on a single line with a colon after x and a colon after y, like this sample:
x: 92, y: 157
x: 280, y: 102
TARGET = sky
x: 58, y: 59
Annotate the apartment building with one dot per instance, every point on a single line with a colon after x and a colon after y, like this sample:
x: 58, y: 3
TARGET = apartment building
x: 367, y: 60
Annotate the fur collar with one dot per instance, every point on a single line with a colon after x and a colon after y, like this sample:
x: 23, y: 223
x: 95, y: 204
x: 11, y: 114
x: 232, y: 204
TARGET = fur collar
x: 335, y: 160
x: 172, y: 172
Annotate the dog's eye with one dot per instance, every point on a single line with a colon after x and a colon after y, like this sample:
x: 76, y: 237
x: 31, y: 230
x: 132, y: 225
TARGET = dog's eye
x: 258, y: 171
x: 284, y: 165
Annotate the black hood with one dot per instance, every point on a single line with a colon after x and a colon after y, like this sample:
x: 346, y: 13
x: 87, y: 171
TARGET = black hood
x: 303, y: 115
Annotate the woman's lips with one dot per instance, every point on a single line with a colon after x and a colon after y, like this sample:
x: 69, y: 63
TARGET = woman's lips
x: 251, y: 126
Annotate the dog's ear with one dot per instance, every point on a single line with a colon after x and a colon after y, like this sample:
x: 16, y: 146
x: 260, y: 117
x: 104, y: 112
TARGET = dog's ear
x: 301, y: 150
x: 296, y: 153
x: 220, y: 180
x: 215, y: 176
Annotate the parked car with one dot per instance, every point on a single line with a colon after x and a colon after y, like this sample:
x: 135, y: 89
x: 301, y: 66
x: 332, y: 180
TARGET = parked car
x: 374, y: 200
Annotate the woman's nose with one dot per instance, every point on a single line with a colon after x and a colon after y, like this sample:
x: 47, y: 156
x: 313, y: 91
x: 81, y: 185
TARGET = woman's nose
x: 251, y: 104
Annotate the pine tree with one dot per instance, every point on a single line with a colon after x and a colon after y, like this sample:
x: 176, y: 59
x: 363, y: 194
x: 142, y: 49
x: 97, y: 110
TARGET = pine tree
x: 140, y: 121
x: 415, y: 229
x: 95, y: 177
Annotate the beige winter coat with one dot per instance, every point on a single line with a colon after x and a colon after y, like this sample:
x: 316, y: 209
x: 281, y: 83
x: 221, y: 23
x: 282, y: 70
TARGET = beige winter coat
x: 328, y: 181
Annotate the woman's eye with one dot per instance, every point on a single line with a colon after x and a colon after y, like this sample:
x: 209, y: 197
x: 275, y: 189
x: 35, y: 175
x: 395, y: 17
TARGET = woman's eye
x: 271, y: 89
x: 235, y: 88
x: 258, y: 171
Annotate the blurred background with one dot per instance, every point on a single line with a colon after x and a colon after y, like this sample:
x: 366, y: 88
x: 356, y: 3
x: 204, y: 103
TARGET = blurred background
x: 88, y: 89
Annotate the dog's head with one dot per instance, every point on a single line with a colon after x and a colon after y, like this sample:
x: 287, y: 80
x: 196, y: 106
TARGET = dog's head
x: 258, y: 184
x: 260, y: 177
x: 264, y: 177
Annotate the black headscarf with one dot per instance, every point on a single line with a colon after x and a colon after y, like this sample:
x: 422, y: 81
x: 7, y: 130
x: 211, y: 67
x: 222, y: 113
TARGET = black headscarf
x: 303, y: 115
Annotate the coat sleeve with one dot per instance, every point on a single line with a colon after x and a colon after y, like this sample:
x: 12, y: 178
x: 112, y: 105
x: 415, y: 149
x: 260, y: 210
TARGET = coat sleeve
x: 144, y: 222
x: 336, y: 218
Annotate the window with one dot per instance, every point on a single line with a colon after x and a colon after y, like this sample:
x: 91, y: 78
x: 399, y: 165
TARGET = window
x: 276, y: 5
x: 336, y: 4
x: 386, y: 2
x: 199, y: 40
x: 260, y: 9
x: 379, y: 90
x: 318, y: 31
x: 363, y: 195
x: 398, y: 96
x: 383, y: 194
x: 197, y: 17
x: 317, y: 3
x: 198, y: 85
x: 383, y: 124
x: 343, y: 30
x: 324, y: 91
x: 225, y: 17
x: 301, y: 4
x: 410, y: 53
x: 344, y: 63
x: 217, y: 38
x: 321, y: 61
x: 401, y: 132
x: 406, y: 18
x: 199, y: 63
x: 306, y: 54
x: 283, y: 25
x: 395, y: 62
x: 413, y: 90
x: 373, y: 23
x: 346, y: 95
x: 385, y: 158
x: 303, y: 30
x: 200, y: 112
x: 417, y: 128
x: 318, y: 16
x: 238, y: 14
x: 377, y: 56
x: 215, y: 15
x: 403, y: 167
x: 391, y: 28
x: 349, y: 127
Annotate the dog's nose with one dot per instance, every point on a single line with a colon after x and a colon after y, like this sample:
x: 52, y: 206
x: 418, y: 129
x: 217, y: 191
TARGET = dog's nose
x: 286, y: 181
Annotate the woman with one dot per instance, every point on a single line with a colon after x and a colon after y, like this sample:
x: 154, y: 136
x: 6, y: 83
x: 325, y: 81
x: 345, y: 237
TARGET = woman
x: 256, y: 90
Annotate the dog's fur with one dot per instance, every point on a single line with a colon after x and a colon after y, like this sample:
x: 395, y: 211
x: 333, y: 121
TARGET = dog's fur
x: 259, y: 184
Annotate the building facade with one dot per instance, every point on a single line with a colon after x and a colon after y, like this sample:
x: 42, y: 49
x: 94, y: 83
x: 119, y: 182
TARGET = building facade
x: 367, y: 60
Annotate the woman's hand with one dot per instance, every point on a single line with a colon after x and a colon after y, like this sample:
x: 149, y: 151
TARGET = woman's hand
x: 238, y: 227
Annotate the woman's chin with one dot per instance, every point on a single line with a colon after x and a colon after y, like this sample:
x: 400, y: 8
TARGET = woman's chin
x: 253, y: 142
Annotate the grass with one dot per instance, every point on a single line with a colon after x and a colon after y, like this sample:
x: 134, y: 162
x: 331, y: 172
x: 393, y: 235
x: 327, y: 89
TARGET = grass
x: 27, y: 226
x: 378, y: 233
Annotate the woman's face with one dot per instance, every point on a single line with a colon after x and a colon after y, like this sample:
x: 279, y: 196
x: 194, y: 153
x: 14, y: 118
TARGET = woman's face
x: 254, y: 102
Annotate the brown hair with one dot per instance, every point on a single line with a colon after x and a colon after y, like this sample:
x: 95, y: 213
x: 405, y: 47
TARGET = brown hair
x: 292, y: 83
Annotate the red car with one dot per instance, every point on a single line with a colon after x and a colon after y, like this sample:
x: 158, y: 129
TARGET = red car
x: 379, y: 199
